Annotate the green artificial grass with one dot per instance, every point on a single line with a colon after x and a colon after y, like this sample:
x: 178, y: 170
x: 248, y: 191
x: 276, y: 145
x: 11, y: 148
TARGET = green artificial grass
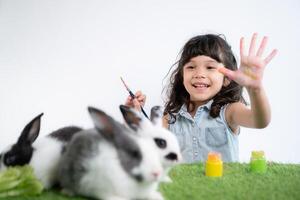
x: 281, y: 181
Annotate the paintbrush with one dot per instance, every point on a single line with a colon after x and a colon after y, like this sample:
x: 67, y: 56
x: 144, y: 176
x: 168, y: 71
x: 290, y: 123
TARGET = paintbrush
x: 133, y: 96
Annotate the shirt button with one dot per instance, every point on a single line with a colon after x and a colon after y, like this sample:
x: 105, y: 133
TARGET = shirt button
x: 193, y: 124
x: 194, y: 138
x: 196, y: 153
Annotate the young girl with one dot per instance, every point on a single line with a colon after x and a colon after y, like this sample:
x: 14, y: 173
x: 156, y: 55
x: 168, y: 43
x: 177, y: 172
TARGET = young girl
x: 205, y: 107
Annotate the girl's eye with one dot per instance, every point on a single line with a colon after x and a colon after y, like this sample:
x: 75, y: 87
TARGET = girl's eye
x: 190, y: 67
x: 210, y: 67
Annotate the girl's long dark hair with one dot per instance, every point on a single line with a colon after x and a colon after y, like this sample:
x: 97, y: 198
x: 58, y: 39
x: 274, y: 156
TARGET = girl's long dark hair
x: 215, y: 47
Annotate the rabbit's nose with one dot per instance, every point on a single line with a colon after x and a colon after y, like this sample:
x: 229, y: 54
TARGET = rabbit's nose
x: 172, y: 156
x: 156, y: 174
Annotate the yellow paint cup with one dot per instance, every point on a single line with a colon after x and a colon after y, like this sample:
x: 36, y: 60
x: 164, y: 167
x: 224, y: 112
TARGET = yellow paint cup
x: 214, y: 165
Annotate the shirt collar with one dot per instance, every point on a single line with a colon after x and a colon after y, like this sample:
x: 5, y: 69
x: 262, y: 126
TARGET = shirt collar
x: 183, y: 109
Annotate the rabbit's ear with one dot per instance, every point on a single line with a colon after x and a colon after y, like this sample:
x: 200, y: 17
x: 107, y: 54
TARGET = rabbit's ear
x: 131, y: 117
x: 31, y: 131
x: 104, y: 123
x: 156, y: 115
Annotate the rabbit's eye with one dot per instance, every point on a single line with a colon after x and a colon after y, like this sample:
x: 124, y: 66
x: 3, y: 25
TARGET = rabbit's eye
x: 139, y: 177
x: 135, y: 154
x: 9, y: 160
x: 161, y: 143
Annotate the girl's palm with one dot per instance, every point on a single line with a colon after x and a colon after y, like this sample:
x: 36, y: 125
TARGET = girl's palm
x: 250, y: 72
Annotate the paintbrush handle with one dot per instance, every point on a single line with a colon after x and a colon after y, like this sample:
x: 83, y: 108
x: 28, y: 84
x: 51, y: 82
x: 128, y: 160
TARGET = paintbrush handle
x: 143, y: 111
x: 133, y: 96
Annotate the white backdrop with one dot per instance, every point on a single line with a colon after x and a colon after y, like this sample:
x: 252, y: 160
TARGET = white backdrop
x: 60, y: 56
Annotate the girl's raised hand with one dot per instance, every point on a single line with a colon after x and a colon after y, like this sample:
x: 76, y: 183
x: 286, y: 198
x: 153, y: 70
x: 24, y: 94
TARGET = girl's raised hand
x: 250, y: 72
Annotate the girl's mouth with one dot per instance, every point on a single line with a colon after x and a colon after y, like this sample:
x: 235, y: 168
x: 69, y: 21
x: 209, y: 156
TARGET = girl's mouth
x: 200, y: 85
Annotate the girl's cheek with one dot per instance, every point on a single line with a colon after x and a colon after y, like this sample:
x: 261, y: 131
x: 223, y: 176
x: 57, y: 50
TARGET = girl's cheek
x: 188, y: 75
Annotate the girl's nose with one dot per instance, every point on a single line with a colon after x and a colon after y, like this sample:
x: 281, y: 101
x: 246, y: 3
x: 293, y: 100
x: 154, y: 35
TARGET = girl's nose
x: 199, y: 73
x: 199, y: 76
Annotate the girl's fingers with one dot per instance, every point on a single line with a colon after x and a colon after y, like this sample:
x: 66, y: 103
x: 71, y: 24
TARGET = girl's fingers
x: 242, y: 47
x: 230, y: 74
x: 252, y: 44
x: 136, y: 104
x: 138, y: 93
x: 128, y: 101
x: 140, y: 96
x: 270, y: 56
x: 262, y: 46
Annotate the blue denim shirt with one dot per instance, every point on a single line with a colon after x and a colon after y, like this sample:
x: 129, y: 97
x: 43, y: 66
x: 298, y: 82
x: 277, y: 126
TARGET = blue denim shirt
x: 202, y: 134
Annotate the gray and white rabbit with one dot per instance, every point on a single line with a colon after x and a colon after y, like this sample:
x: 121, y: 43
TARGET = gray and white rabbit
x: 111, y: 161
x: 165, y: 140
x: 42, y: 154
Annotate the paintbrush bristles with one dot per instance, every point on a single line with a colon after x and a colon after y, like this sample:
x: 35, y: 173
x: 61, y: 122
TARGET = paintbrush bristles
x: 127, y: 88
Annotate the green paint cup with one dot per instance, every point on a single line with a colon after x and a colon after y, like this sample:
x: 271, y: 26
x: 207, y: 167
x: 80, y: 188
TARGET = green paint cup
x: 258, y: 163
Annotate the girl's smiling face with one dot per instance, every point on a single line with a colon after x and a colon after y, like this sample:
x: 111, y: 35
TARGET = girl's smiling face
x: 202, y: 80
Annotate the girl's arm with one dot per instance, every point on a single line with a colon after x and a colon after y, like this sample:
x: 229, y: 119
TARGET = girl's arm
x: 165, y: 121
x: 249, y: 75
x: 258, y: 116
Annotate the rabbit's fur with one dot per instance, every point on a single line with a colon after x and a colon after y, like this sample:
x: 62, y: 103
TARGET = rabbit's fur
x: 111, y: 161
x: 42, y: 154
